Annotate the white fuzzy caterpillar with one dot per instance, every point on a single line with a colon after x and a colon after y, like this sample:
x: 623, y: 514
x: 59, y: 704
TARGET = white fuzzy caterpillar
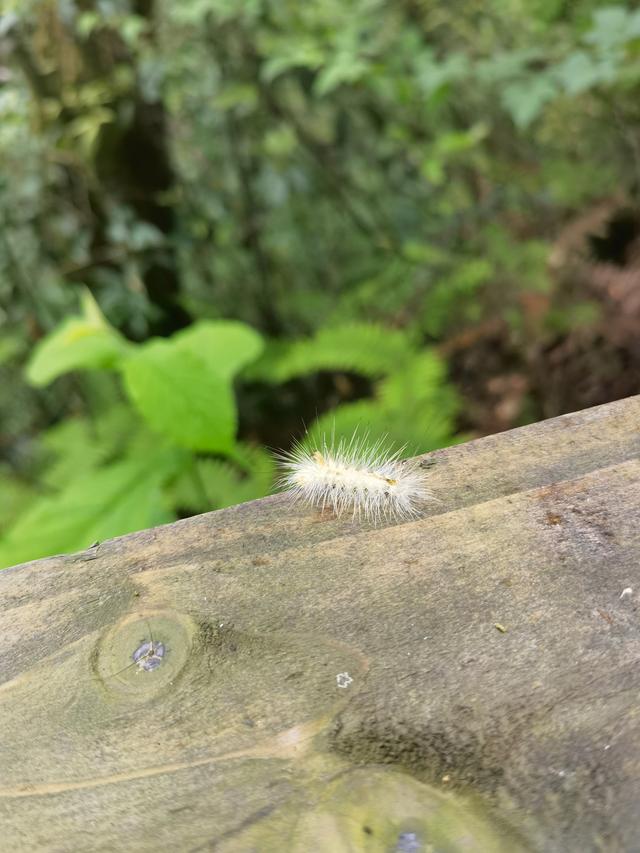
x: 356, y: 477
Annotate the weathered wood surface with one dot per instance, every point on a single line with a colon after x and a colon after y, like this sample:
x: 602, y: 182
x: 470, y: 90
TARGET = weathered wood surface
x: 451, y: 733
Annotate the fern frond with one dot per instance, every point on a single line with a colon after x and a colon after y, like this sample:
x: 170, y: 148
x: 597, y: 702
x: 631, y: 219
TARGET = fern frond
x: 365, y: 348
x: 217, y: 483
x: 414, y: 407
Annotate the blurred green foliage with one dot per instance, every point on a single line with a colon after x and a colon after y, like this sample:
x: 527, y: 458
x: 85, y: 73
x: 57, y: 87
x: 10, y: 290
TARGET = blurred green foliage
x: 140, y: 461
x: 270, y: 211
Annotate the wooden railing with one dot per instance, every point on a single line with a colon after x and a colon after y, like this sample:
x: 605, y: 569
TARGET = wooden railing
x: 270, y: 678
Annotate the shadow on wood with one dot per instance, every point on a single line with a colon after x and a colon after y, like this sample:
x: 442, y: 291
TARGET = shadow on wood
x: 270, y: 678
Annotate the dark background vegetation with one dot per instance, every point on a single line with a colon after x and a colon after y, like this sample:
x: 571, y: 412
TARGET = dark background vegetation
x: 221, y: 220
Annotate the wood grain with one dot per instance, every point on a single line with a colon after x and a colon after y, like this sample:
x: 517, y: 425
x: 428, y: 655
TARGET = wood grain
x: 448, y: 731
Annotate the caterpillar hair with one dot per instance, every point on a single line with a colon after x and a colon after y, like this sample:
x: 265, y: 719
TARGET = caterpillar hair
x: 356, y: 477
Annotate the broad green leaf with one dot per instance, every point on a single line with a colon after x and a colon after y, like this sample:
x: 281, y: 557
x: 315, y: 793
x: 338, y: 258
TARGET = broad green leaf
x: 580, y: 72
x: 613, y: 26
x: 525, y: 99
x: 114, y: 500
x: 78, y: 343
x: 181, y: 396
x: 224, y: 345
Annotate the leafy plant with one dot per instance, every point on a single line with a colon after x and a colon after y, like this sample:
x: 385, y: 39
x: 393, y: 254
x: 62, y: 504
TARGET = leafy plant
x: 345, y: 182
x: 368, y: 349
x: 414, y: 405
x: 102, y: 482
x: 149, y: 457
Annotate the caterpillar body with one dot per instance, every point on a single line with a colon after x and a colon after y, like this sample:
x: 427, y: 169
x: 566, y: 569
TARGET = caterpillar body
x: 356, y: 477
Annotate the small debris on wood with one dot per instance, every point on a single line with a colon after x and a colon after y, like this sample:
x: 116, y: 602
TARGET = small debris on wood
x: 343, y: 679
x: 604, y: 615
x: 428, y: 463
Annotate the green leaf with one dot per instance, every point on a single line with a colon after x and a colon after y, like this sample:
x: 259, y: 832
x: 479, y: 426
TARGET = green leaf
x: 78, y: 343
x: 432, y: 74
x: 459, y: 141
x: 131, y: 28
x: 415, y: 407
x: 524, y: 100
x: 580, y: 72
x: 455, y: 294
x: 85, y: 128
x: 180, y: 395
x: 114, y: 500
x: 183, y: 387
x: 505, y: 66
x: 346, y: 67
x: 303, y: 52
x: 10, y: 346
x: 613, y: 26
x: 208, y: 484
x: 364, y: 348
x: 86, y: 23
x: 75, y: 446
x: 241, y: 94
x: 421, y: 402
x: 15, y: 496
x: 224, y: 345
